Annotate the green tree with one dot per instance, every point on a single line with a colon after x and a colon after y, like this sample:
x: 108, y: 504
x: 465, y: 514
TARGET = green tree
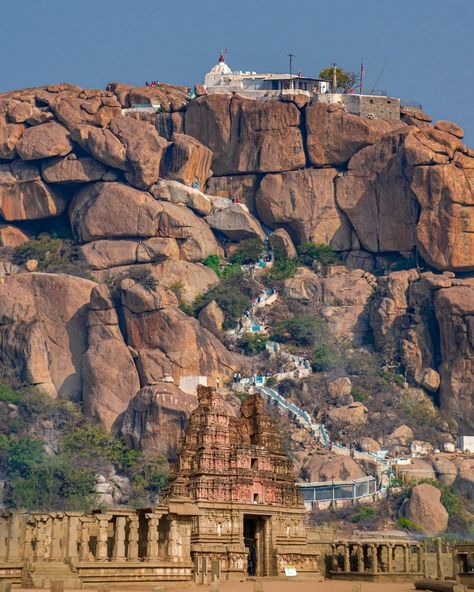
x: 249, y: 250
x: 252, y: 343
x: 346, y: 81
x: 324, y: 358
x: 310, y: 252
x: 302, y: 330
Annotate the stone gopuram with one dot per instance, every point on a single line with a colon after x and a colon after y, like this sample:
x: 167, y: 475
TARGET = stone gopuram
x: 232, y: 509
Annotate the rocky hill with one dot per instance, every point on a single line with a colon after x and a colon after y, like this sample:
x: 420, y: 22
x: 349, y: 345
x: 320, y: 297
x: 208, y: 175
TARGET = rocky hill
x: 112, y: 217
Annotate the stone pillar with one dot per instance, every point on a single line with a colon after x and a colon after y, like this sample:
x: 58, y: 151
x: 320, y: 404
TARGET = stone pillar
x: 14, y: 535
x: 389, y: 558
x: 84, y: 541
x: 374, y: 566
x: 102, y: 539
x: 360, y: 559
x: 132, y: 551
x: 152, y: 536
x: 48, y: 536
x: 72, y: 531
x: 334, y: 562
x: 174, y: 548
x: 3, y: 536
x: 118, y: 553
x: 420, y: 551
x: 439, y: 560
x: 56, y: 533
x: 347, y: 558
x: 406, y: 558
x: 40, y: 550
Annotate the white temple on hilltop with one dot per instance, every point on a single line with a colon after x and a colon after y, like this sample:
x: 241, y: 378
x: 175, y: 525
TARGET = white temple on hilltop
x: 222, y: 79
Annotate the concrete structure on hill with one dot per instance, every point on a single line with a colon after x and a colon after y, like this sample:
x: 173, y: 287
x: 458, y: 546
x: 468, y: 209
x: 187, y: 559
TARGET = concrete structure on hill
x: 221, y: 79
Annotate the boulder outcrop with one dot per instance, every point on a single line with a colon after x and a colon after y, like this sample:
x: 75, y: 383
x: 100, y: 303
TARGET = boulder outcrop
x: 236, y: 223
x: 43, y: 330
x: 304, y: 202
x: 426, y: 511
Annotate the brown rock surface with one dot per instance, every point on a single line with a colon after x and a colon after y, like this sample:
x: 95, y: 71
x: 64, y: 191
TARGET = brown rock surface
x: 236, y: 223
x: 11, y: 236
x: 102, y: 144
x: 304, y: 202
x: 241, y: 187
x: 450, y: 128
x: 24, y: 196
x: 72, y: 170
x: 42, y: 141
x: 376, y: 196
x: 10, y: 133
x: 212, y: 318
x: 113, y: 210
x: 195, y: 238
x: 445, y: 231
x: 169, y: 342
x: 180, y: 194
x: 320, y: 467
x: 454, y: 309
x: 247, y: 136
x: 354, y: 413
x: 144, y: 150
x: 187, y: 160
x: 425, y: 509
x: 334, y: 136
x: 86, y: 107
x: 155, y: 418
x: 446, y: 470
x: 105, y: 254
x: 281, y: 243
x: 110, y: 376
x: 43, y: 330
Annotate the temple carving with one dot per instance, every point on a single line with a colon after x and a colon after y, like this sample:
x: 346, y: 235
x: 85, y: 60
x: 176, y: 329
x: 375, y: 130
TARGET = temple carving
x: 232, y: 509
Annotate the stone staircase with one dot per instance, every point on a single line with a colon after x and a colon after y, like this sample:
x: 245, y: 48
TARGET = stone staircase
x: 41, y: 574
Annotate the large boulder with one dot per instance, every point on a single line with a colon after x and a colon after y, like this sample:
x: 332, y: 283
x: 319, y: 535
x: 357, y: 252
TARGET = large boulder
x: 454, y: 307
x: 102, y: 144
x: 319, y: 467
x: 144, y: 150
x: 282, y: 245
x: 72, y: 169
x: 155, y: 418
x: 212, y: 318
x: 11, y: 236
x: 75, y: 107
x: 425, y: 509
x: 10, y: 133
x: 42, y: 141
x: 108, y: 387
x: 236, y: 223
x: 445, y: 231
x: 196, y: 240
x: 304, y: 202
x: 247, y: 136
x: 187, y: 160
x: 43, y: 328
x: 113, y: 210
x: 168, y: 342
x: 354, y: 413
x: 24, y: 196
x: 105, y: 254
x: 334, y: 136
x: 180, y: 194
x: 377, y: 197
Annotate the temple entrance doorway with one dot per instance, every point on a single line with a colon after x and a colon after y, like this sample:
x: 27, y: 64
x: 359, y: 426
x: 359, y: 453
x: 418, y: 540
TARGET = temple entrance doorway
x: 254, y: 542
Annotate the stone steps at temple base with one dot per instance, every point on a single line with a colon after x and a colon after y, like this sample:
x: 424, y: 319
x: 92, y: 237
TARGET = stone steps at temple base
x: 40, y: 575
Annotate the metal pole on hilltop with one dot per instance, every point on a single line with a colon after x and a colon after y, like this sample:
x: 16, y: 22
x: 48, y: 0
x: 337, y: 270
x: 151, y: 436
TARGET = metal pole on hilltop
x: 291, y: 56
x: 361, y: 76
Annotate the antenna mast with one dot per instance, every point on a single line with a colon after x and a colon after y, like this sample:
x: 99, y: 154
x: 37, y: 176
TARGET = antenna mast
x: 291, y: 56
x: 361, y: 76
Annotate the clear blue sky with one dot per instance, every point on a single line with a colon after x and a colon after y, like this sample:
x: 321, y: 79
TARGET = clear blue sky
x: 427, y: 46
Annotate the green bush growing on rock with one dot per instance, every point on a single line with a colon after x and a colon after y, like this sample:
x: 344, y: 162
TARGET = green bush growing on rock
x: 310, y: 252
x: 408, y: 524
x: 8, y: 395
x: 47, y: 251
x: 214, y: 263
x: 301, y: 330
x: 249, y: 250
x: 252, y: 343
x: 359, y: 395
x: 365, y: 515
x: 324, y: 358
x: 282, y: 269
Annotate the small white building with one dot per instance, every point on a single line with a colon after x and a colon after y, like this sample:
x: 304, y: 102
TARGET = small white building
x: 222, y: 79
x: 465, y: 443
